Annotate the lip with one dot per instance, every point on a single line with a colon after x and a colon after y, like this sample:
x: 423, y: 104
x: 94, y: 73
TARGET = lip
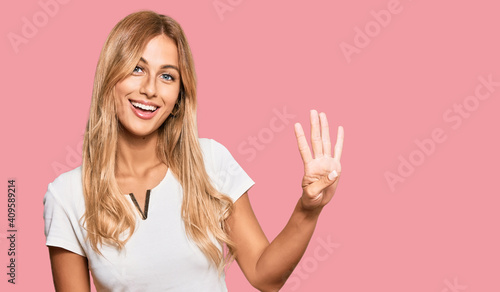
x: 145, y: 115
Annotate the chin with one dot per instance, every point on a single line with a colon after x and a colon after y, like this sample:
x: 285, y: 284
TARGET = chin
x: 140, y: 132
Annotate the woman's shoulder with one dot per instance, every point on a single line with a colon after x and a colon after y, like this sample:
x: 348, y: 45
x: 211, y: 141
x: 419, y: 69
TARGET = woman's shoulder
x: 210, y: 146
x: 68, y: 178
x: 213, y: 151
x: 206, y: 142
x: 217, y: 155
x: 66, y: 187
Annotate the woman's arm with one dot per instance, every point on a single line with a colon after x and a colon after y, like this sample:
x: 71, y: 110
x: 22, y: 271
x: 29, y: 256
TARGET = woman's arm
x: 268, y: 266
x: 69, y: 270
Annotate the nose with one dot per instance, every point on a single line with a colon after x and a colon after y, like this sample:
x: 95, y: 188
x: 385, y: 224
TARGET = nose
x: 148, y: 86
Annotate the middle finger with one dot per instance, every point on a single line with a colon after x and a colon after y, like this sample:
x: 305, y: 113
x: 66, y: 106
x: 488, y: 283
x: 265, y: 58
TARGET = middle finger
x: 316, y: 142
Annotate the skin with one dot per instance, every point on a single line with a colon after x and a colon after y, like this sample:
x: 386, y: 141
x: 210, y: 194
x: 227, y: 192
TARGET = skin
x: 265, y: 265
x: 268, y: 265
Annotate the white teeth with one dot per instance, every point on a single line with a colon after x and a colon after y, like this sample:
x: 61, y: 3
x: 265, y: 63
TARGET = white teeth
x: 143, y: 106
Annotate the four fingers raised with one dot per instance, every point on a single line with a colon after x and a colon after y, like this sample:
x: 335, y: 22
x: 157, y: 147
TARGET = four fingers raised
x: 320, y: 138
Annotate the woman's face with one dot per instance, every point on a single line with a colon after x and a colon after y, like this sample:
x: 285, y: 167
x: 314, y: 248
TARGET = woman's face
x: 147, y: 96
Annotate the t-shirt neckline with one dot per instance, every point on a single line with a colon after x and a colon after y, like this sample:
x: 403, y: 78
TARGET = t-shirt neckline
x: 159, y: 184
x: 162, y: 181
x: 144, y: 213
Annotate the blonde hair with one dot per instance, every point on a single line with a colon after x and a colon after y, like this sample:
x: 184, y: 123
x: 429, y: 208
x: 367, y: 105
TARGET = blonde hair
x: 109, y: 218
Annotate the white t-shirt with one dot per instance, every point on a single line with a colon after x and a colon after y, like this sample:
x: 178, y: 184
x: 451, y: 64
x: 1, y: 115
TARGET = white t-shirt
x: 159, y: 256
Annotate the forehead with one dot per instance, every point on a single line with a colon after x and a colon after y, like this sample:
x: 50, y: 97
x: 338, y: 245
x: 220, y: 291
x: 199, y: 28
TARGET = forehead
x: 161, y: 50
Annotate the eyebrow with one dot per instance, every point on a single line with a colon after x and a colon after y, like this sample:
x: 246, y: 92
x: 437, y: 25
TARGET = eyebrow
x: 162, y: 67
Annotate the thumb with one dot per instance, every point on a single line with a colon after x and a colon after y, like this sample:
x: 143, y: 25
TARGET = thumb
x: 318, y: 186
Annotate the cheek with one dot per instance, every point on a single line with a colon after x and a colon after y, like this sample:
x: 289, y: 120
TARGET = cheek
x: 119, y: 93
x: 122, y: 91
x: 126, y: 87
x: 120, y: 100
x: 170, y: 96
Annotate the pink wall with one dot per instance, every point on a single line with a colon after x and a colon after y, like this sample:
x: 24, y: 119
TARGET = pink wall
x: 414, y: 83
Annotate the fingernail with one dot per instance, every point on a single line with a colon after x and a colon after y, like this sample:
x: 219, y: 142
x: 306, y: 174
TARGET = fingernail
x: 332, y: 175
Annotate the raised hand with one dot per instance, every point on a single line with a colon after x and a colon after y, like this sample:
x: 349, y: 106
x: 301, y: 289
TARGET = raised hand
x: 321, y: 171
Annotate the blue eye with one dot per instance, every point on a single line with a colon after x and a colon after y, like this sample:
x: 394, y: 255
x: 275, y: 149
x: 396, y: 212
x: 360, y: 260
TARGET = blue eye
x: 168, y: 77
x: 165, y: 76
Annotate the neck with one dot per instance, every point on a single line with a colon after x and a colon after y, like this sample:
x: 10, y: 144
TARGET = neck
x: 136, y: 155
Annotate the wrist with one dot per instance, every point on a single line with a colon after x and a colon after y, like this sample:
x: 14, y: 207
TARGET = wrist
x: 311, y: 213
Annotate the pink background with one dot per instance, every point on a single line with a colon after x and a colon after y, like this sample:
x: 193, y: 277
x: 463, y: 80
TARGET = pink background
x: 434, y: 230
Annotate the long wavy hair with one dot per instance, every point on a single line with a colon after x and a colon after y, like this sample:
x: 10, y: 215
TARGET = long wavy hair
x: 109, y: 218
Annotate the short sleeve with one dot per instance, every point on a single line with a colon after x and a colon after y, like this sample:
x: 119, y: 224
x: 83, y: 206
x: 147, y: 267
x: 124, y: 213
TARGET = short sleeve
x: 59, y: 226
x: 230, y: 178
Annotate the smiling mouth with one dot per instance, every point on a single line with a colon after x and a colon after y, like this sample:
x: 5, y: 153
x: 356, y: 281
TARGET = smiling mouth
x: 140, y: 106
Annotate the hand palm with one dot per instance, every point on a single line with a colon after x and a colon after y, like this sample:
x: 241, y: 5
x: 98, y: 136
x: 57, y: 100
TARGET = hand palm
x: 318, y: 188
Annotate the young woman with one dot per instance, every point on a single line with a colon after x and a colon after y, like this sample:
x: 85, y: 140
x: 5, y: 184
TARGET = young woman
x: 152, y: 206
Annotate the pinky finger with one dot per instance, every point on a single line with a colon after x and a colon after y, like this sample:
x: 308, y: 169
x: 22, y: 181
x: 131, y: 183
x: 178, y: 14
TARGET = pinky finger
x: 340, y: 143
